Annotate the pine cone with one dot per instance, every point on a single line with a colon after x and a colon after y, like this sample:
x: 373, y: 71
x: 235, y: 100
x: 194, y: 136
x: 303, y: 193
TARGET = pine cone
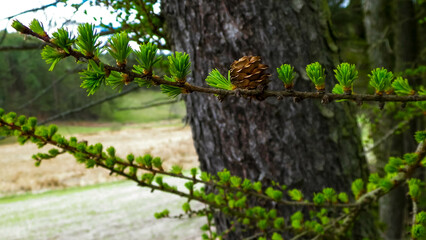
x: 248, y: 73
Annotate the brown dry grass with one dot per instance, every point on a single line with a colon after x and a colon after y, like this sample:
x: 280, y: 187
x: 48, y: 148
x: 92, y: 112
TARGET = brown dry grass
x: 18, y: 173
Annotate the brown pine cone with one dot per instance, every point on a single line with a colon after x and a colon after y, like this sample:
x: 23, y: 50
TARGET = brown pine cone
x: 249, y: 73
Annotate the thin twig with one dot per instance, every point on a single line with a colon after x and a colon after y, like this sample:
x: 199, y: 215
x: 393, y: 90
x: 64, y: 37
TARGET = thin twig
x: 387, y: 135
x: 414, y: 203
x: 89, y: 105
x: 36, y: 9
x: 155, y: 104
x: 22, y: 47
x: 46, y: 89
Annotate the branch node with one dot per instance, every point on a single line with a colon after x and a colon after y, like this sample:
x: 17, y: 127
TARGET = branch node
x: 297, y: 99
x: 325, y: 99
x: 381, y: 105
x: 358, y: 101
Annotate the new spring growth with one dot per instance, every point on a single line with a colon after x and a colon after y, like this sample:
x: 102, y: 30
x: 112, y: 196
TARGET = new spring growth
x: 402, y: 87
x: 381, y: 80
x: 52, y: 56
x: 217, y: 80
x: 346, y: 74
x: 295, y: 195
x: 286, y: 74
x: 296, y: 220
x: 179, y: 66
x: 418, y: 231
x: 119, y: 48
x: 357, y: 188
x: 37, y: 27
x: 317, y: 75
x: 117, y: 80
x: 87, y: 41
x: 147, y: 57
x: 414, y: 189
x: 18, y: 26
x: 62, y: 38
x: 93, y: 77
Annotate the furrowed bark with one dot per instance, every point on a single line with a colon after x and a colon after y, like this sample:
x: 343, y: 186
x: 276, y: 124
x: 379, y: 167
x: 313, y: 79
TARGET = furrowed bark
x: 304, y: 145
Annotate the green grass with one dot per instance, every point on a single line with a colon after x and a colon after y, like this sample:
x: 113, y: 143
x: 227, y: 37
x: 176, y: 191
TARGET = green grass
x: 8, y: 140
x: 113, y: 119
x: 140, y: 98
x: 57, y: 192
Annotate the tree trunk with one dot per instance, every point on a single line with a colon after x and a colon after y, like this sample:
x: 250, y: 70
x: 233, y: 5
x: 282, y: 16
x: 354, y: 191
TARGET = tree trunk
x: 304, y: 145
x: 378, y: 24
x: 378, y: 29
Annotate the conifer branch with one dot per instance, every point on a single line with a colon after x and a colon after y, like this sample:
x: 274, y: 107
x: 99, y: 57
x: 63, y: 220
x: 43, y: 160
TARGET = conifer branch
x: 257, y: 94
x: 374, y: 195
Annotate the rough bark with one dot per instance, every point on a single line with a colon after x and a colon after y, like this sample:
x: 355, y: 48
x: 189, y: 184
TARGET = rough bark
x: 304, y: 145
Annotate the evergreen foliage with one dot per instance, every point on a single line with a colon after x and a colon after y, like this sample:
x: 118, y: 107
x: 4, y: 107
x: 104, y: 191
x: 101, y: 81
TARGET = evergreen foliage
x: 87, y: 40
x: 217, y: 80
x: 119, y: 48
x: 381, y: 80
x: 346, y: 74
x: 286, y: 74
x: 317, y: 75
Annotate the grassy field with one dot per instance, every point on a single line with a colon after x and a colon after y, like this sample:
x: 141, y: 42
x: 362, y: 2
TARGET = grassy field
x: 118, y: 210
x: 111, y: 111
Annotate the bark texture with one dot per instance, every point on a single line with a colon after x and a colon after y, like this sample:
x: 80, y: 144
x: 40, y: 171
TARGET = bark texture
x: 304, y: 145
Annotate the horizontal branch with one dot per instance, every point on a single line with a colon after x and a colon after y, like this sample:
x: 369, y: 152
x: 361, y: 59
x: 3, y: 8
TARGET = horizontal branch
x: 325, y: 97
x: 87, y: 106
x: 46, y: 89
x: 22, y: 47
x: 257, y: 94
x: 155, y: 104
x: 212, y: 183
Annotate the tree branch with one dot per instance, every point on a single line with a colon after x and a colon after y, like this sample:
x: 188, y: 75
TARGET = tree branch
x: 89, y: 105
x: 387, y: 135
x: 23, y: 47
x: 46, y: 89
x: 155, y: 104
x: 372, y: 196
x: 257, y: 94
x: 36, y: 9
x: 413, y: 220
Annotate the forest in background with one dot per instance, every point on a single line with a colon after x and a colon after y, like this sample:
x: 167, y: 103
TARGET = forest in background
x: 28, y: 87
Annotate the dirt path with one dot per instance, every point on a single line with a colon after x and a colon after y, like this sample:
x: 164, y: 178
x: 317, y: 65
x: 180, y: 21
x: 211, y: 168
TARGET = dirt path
x: 18, y: 174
